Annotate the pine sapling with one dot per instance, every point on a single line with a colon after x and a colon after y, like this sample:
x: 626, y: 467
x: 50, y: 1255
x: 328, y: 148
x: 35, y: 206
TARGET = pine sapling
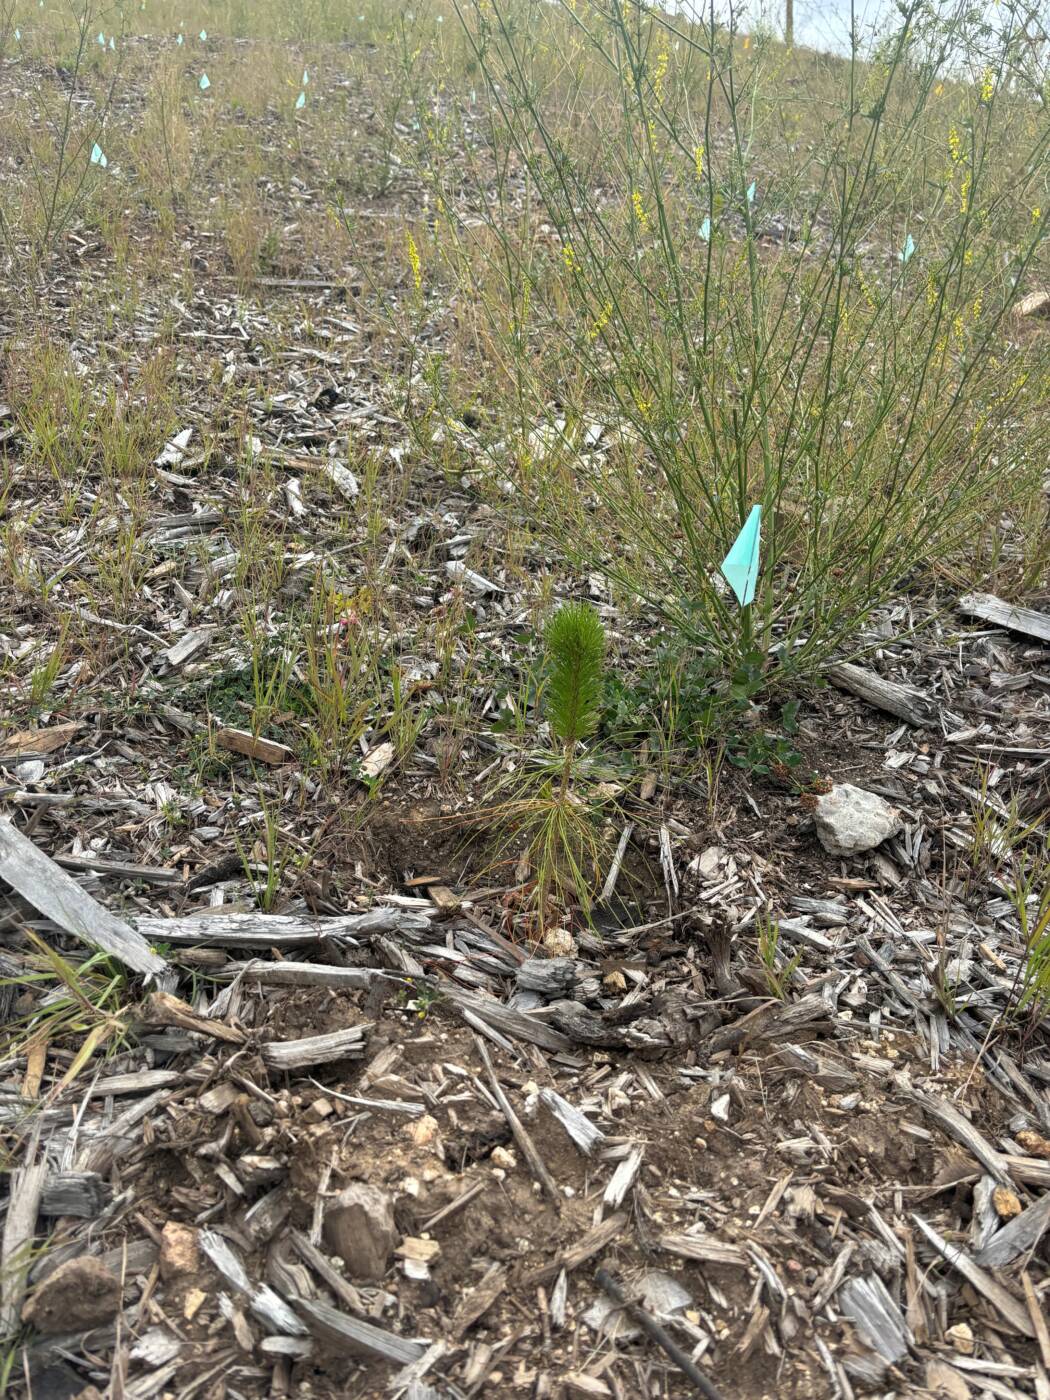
x: 575, y: 640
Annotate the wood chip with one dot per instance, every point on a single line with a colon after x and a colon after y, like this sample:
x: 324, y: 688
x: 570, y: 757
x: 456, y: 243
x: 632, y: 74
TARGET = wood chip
x: 1014, y: 1313
x: 289, y: 1055
x: 586, y: 1247
x: 59, y: 898
x: 243, y: 742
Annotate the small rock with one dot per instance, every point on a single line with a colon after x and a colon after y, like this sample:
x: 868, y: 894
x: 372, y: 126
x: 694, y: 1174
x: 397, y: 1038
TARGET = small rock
x: 179, y: 1251
x: 1034, y: 1143
x: 359, y: 1229
x: 961, y: 1338
x: 850, y: 820
x: 319, y: 1110
x: 560, y: 943
x: 79, y: 1295
x: 424, y: 1131
x: 503, y: 1157
x: 720, y: 1108
x: 1006, y: 1203
x: 191, y: 1304
x: 709, y: 864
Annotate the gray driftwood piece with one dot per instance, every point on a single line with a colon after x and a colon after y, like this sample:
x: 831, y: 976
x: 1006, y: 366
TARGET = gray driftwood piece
x: 554, y: 978
x: 989, y: 608
x: 267, y: 1305
x: 876, y: 1317
x: 964, y: 1133
x: 57, y: 896
x: 287, y: 1055
x: 304, y: 974
x: 516, y: 1024
x: 121, y: 870
x: 83, y: 1194
x: 27, y: 1185
x: 100, y: 1152
x: 353, y: 1336
x: 900, y: 700
x: 521, y: 1137
x: 704, y: 1250
x: 578, y: 1126
x: 1014, y: 1312
x: 278, y: 930
x: 1017, y: 1237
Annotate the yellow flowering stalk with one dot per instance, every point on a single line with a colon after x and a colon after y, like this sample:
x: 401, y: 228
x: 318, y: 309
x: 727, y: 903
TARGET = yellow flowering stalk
x: 417, y: 266
x: 639, y: 209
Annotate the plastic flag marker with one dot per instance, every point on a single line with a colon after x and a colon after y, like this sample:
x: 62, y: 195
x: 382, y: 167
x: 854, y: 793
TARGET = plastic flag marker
x: 740, y: 566
x: 18, y: 36
x: 300, y: 101
x: 907, y: 250
x: 101, y: 40
x: 205, y: 82
x: 98, y: 156
x: 751, y: 193
x: 705, y: 230
x: 203, y: 36
x: 306, y: 76
x: 112, y: 43
x: 179, y: 41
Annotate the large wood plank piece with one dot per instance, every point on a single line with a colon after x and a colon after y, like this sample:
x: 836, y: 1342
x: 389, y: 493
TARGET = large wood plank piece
x: 57, y: 896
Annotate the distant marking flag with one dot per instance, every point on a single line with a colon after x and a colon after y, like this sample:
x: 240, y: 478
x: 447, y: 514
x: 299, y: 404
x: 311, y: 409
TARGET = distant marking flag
x: 98, y: 156
x: 740, y: 566
x: 205, y: 82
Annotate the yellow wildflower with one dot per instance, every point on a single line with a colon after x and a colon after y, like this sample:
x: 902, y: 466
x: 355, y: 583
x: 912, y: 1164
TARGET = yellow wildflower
x: 639, y: 209
x: 663, y: 58
x: 987, y: 85
x: 955, y: 145
x: 698, y: 157
x: 964, y: 196
x: 568, y: 257
x: 602, y: 321
x: 1037, y: 214
x: 417, y: 268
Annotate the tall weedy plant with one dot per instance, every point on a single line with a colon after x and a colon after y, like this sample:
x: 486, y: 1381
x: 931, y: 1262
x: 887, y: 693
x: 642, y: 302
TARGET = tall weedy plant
x: 698, y: 290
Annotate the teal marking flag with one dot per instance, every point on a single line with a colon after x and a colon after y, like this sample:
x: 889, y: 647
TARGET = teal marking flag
x: 300, y: 101
x: 203, y: 36
x: 751, y: 193
x: 740, y: 566
x: 705, y: 230
x: 908, y: 249
x: 205, y: 82
x: 98, y: 156
x: 306, y: 76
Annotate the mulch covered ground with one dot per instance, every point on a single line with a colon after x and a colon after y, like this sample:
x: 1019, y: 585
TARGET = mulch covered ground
x: 375, y: 1140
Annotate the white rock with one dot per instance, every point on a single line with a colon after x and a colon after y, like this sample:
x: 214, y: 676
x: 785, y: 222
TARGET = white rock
x: 850, y: 820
